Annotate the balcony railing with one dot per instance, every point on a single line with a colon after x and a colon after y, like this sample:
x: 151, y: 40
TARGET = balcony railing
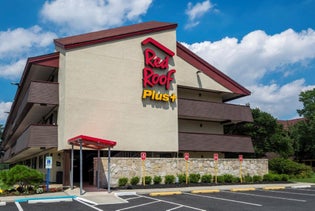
x: 222, y: 112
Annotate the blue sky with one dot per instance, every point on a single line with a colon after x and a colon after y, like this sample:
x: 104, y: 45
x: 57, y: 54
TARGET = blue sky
x: 267, y: 46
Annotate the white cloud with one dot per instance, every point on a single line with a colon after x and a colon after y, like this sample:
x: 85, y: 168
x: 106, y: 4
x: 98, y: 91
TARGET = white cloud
x: 4, y: 108
x: 248, y: 61
x: 194, y: 12
x: 77, y: 16
x: 18, y: 44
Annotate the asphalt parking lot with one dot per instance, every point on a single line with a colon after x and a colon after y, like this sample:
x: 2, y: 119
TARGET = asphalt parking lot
x: 259, y: 199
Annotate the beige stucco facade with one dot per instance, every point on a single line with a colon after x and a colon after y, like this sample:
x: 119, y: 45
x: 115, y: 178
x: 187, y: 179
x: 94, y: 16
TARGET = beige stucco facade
x: 101, y: 89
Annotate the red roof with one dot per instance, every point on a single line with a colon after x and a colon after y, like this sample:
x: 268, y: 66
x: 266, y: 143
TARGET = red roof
x: 113, y: 34
x: 91, y: 142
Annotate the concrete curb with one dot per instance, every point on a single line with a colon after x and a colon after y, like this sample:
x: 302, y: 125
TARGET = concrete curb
x: 274, y: 188
x: 165, y: 193
x: 242, y: 189
x: 3, y: 203
x: 46, y: 199
x: 206, y: 191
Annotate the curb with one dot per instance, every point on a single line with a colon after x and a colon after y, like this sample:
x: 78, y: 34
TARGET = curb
x: 46, y: 199
x: 301, y: 186
x: 242, y: 189
x: 206, y: 191
x: 3, y: 203
x: 274, y: 188
x: 165, y: 193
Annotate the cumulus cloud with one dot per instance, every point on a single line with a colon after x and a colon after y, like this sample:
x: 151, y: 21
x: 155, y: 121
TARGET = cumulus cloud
x: 4, y: 109
x: 77, y: 16
x: 18, y: 44
x: 194, y: 12
x: 249, y: 60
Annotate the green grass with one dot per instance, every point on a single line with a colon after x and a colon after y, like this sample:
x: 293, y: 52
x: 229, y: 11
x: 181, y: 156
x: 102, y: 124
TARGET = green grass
x: 307, y: 180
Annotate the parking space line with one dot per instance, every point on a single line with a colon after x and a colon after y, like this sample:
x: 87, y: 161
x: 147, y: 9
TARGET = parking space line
x: 264, y: 196
x: 18, y: 206
x: 89, y: 205
x: 174, y: 203
x: 223, y: 199
x: 131, y: 198
x: 175, y: 208
x: 303, y: 194
x: 139, y: 205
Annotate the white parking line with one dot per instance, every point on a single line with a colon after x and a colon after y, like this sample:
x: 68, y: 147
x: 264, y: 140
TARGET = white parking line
x: 170, y: 202
x: 264, y: 196
x: 18, y: 206
x: 131, y: 198
x: 139, y: 205
x: 293, y: 193
x: 223, y: 199
x: 175, y: 208
x: 82, y: 202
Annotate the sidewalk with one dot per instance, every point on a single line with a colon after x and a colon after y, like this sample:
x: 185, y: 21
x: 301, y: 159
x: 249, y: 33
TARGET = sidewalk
x: 103, y: 197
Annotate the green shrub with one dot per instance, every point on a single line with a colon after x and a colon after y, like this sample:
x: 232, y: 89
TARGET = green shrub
x: 248, y: 179
x: 157, y: 180
x: 206, y: 178
x: 268, y: 177
x: 169, y: 179
x: 289, y: 167
x: 181, y: 178
x: 21, y: 175
x: 148, y: 180
x: 194, y: 178
x: 134, y: 180
x: 220, y: 179
x: 228, y: 178
x: 284, y: 177
x: 257, y: 178
x: 122, y: 181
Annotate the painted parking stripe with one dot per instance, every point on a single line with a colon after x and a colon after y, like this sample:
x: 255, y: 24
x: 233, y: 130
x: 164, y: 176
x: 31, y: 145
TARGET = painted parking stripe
x: 300, y: 186
x: 223, y: 199
x: 175, y: 208
x: 139, y: 205
x: 174, y: 203
x: 18, y: 206
x: 264, y: 196
x: 89, y: 205
x: 293, y: 193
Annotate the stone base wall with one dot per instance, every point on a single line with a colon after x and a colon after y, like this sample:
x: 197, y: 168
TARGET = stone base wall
x: 130, y: 167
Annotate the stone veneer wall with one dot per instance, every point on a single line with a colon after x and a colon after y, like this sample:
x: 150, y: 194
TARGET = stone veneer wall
x: 130, y: 167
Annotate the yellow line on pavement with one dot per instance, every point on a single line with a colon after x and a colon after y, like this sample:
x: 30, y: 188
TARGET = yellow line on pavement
x: 165, y: 193
x: 274, y: 188
x: 206, y: 191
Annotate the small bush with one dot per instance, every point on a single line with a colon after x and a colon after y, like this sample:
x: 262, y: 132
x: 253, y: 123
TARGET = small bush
x: 287, y: 166
x: 194, y: 178
x: 206, y: 178
x: 157, y: 180
x: 268, y: 177
x: 134, y: 180
x: 169, y: 179
x: 181, y: 178
x: 257, y: 178
x: 122, y: 181
x: 220, y: 179
x: 228, y: 178
x: 236, y: 179
x: 284, y: 177
x: 248, y: 179
x: 148, y: 180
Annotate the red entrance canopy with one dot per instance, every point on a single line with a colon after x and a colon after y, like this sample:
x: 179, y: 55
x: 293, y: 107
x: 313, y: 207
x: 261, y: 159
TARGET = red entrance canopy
x: 91, y: 142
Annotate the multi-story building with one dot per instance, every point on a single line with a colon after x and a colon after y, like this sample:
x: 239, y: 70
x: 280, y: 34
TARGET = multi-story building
x: 135, y: 85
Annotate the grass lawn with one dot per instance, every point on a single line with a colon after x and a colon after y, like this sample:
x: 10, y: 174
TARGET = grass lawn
x: 308, y: 180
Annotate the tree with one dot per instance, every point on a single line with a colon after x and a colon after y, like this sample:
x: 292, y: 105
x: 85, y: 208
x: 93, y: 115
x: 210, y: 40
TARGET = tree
x: 303, y: 132
x: 266, y: 133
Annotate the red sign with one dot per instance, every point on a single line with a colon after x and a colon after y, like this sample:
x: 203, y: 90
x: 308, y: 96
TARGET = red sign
x: 186, y: 156
x: 240, y: 157
x: 215, y: 156
x: 143, y: 155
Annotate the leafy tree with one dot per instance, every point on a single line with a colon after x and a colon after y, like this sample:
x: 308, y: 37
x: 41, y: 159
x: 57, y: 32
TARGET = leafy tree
x: 303, y: 132
x: 266, y: 133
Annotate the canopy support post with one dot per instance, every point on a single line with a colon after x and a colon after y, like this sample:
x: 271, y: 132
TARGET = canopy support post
x: 108, y: 167
x: 98, y: 169
x: 81, y: 174
x: 71, y: 172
